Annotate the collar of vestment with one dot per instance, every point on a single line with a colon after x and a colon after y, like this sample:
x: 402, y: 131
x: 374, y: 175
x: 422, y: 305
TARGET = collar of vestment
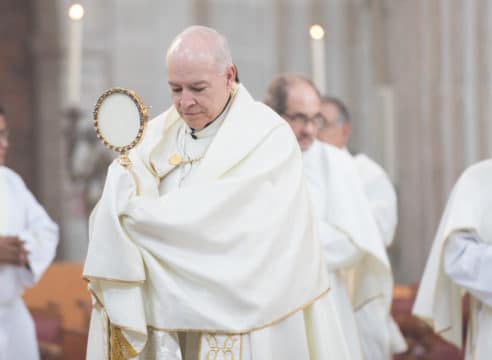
x: 212, y: 127
x: 235, y: 137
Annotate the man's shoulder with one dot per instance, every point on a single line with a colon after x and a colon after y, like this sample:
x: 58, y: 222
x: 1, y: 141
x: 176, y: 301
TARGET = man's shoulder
x: 329, y: 160
x: 267, y: 114
x: 364, y: 158
x: 11, y: 175
x: 480, y: 168
x: 261, y: 113
x: 477, y: 176
x: 368, y: 166
x: 252, y: 122
x: 330, y: 152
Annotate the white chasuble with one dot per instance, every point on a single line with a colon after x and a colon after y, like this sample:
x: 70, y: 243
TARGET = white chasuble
x: 22, y: 216
x: 439, y: 299
x: 222, y: 262
x: 362, y: 284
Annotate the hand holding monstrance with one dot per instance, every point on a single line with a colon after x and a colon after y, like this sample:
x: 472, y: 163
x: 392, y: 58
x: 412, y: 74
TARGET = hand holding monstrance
x: 120, y: 117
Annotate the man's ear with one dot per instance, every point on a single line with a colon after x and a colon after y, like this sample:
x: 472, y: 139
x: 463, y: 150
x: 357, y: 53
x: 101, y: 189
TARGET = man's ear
x: 230, y: 75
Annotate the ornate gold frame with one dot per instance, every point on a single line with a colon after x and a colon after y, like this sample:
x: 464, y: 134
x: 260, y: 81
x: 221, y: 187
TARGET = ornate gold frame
x: 143, y: 114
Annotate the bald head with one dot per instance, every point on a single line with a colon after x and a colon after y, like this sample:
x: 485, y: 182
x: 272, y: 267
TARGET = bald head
x: 200, y: 75
x: 278, y: 90
x: 201, y: 44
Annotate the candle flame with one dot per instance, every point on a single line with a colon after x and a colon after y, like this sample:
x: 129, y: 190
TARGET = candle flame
x: 76, y: 12
x: 317, y: 32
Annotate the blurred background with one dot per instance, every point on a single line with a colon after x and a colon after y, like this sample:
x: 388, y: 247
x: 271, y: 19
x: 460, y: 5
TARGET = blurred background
x: 415, y: 75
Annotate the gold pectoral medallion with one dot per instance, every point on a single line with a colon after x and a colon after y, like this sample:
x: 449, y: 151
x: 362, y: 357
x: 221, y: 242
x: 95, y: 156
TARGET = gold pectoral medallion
x: 177, y: 160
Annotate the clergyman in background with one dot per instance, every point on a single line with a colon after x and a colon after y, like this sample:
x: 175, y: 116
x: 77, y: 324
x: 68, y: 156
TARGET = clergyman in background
x: 348, y: 232
x: 28, y: 240
x: 380, y: 192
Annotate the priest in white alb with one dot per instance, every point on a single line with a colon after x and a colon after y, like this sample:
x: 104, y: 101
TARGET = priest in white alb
x: 336, y: 130
x: 28, y: 240
x: 380, y: 192
x: 460, y: 262
x: 206, y: 248
x: 354, y: 253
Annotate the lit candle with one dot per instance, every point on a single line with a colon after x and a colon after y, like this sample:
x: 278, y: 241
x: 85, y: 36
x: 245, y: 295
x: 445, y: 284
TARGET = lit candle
x: 74, y: 61
x: 318, y: 57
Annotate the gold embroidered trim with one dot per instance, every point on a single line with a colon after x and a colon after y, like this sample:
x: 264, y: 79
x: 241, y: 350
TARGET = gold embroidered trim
x: 88, y: 279
x: 98, y: 301
x: 241, y: 349
x: 227, y: 348
x: 360, y: 306
x: 106, y: 331
x: 199, y: 347
x: 153, y: 170
x: 177, y: 160
x: 120, y: 348
x: 246, y: 331
x: 160, y: 177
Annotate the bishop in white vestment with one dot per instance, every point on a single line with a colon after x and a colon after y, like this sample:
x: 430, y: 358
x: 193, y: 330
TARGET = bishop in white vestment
x: 207, y: 247
x: 460, y: 262
x: 32, y: 238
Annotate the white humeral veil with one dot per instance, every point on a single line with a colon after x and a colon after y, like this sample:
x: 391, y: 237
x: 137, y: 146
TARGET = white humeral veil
x: 439, y: 300
x: 235, y: 251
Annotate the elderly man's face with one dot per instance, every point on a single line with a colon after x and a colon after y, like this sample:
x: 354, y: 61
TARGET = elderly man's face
x: 333, y: 132
x: 199, y: 91
x: 4, y: 141
x: 303, y: 113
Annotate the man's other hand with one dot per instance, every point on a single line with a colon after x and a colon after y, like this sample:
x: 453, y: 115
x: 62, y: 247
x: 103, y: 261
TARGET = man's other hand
x: 12, y: 251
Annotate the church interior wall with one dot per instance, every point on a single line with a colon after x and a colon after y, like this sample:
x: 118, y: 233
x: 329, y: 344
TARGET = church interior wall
x: 417, y: 51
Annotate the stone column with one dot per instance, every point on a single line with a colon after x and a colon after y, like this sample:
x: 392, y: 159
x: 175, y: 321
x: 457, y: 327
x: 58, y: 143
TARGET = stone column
x: 470, y: 121
x: 50, y: 131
